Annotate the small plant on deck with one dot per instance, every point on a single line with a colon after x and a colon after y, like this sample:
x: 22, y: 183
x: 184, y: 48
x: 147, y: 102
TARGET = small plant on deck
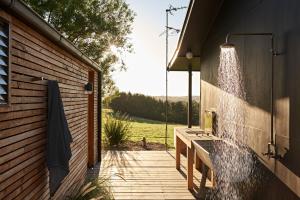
x: 95, y: 189
x: 117, y: 129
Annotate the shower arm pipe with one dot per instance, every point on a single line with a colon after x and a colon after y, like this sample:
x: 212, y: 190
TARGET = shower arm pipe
x: 247, y: 34
x: 274, y: 53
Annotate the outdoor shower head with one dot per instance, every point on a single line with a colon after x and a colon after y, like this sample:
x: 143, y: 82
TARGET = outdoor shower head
x: 227, y: 46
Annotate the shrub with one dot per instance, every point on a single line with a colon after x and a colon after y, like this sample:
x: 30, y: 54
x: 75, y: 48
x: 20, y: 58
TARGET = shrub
x: 116, y: 129
x: 95, y: 188
x: 92, y: 190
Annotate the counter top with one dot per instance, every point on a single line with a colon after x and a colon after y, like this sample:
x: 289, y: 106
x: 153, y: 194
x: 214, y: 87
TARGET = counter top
x: 187, y: 135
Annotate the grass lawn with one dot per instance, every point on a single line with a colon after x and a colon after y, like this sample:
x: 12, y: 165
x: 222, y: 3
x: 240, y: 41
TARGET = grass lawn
x: 153, y: 131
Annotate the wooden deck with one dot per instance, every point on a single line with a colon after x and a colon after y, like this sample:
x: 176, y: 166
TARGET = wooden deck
x: 146, y: 174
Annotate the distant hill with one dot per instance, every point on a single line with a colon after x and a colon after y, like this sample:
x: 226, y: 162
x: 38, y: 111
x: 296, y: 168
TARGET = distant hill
x: 177, y: 98
x: 153, y: 108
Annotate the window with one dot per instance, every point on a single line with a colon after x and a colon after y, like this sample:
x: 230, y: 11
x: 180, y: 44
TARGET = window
x: 4, y: 55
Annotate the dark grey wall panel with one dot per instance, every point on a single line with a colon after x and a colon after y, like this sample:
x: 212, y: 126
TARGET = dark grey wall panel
x: 281, y: 17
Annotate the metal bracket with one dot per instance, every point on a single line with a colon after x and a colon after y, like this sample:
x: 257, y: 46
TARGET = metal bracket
x: 272, y: 152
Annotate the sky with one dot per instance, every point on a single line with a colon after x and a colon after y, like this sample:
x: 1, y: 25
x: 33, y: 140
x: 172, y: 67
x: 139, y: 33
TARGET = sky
x: 146, y: 65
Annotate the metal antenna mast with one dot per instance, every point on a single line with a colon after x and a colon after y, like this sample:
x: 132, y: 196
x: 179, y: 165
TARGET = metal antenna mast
x: 170, y: 10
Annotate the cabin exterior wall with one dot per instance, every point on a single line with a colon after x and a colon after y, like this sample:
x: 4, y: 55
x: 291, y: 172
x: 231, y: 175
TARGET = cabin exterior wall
x: 282, y: 18
x: 23, y: 168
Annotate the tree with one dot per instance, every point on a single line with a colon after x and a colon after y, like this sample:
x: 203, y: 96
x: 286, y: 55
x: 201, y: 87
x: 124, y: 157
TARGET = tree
x: 99, y: 28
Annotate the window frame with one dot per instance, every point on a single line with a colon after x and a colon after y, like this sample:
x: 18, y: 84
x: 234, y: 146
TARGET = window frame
x: 8, y: 104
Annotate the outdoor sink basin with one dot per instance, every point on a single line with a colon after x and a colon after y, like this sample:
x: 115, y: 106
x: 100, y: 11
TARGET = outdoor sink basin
x: 204, y: 150
x: 232, y: 166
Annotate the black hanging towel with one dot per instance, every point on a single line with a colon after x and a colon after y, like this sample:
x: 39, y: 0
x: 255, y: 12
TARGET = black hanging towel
x: 58, y: 139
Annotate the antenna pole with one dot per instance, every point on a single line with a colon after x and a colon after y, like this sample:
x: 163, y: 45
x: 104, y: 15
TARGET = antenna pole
x: 167, y: 47
x: 168, y: 11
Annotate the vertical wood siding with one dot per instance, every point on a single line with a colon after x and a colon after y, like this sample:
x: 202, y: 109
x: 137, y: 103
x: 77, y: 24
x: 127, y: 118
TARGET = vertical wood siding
x: 23, y: 173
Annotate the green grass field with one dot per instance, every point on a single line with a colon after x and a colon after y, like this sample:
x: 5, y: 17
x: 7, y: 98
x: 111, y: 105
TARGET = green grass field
x: 153, y: 131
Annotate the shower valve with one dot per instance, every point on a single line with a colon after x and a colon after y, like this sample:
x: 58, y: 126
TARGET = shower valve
x: 271, y: 153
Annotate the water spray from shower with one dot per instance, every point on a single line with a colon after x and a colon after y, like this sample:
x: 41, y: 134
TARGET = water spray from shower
x: 272, y: 151
x: 236, y: 165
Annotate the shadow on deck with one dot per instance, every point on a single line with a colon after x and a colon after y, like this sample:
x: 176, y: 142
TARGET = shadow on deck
x: 146, y: 175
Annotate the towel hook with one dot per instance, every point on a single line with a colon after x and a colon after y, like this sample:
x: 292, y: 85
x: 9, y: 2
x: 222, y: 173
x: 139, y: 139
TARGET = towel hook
x: 38, y: 79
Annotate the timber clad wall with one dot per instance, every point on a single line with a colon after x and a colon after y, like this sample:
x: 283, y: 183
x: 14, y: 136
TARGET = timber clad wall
x: 23, y: 173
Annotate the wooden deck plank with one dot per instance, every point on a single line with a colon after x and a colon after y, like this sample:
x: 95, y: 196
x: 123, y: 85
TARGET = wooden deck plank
x: 145, y: 175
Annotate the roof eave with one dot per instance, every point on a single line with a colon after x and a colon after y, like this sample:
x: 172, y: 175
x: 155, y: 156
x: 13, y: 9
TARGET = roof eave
x: 198, y: 21
x: 173, y: 59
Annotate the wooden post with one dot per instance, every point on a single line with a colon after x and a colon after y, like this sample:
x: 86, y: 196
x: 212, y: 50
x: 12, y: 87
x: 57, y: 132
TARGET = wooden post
x: 198, y: 163
x: 212, y: 178
x: 202, y: 191
x: 190, y: 159
x: 99, y: 115
x: 178, y: 149
x: 190, y: 100
x: 144, y: 142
